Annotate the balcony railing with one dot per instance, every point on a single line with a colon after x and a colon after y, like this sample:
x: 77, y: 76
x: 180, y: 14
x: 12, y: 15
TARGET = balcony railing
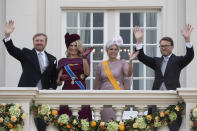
x: 97, y: 99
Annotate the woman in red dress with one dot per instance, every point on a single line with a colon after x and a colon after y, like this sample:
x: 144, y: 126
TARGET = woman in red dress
x: 79, y: 64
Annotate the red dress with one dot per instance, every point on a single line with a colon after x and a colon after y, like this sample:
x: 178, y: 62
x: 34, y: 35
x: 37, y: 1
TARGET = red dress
x: 77, y: 68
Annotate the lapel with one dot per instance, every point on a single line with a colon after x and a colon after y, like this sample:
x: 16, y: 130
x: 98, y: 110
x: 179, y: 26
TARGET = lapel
x: 50, y: 61
x: 35, y: 60
x: 169, y: 64
x: 159, y: 62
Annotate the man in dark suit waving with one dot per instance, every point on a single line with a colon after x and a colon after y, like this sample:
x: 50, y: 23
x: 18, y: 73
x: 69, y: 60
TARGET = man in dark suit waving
x: 39, y: 67
x: 168, y: 67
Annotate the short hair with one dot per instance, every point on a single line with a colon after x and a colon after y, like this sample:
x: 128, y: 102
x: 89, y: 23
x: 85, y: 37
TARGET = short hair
x: 79, y: 47
x: 40, y: 34
x: 167, y: 39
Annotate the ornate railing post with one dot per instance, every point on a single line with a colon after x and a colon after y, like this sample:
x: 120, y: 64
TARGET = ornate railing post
x: 75, y: 109
x: 97, y: 111
x: 141, y: 109
x: 119, y: 111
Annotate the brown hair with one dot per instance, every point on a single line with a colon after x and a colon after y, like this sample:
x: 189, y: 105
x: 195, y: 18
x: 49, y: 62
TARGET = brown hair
x: 40, y: 34
x: 167, y: 39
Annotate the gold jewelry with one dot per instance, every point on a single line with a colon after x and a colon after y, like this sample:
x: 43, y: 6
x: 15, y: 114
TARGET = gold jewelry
x: 82, y: 76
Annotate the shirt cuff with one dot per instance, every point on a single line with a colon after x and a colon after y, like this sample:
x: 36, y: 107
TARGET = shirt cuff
x: 7, y: 39
x: 139, y: 46
x: 188, y: 44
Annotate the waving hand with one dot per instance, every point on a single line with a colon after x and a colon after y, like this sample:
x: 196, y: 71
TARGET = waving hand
x: 138, y: 34
x: 186, y: 32
x: 9, y: 28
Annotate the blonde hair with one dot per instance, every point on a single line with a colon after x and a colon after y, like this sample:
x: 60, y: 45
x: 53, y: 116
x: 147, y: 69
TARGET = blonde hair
x: 107, y: 47
x: 79, y: 47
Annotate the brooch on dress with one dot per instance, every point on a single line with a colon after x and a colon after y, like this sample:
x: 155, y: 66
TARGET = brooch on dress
x: 82, y: 76
x: 73, y: 80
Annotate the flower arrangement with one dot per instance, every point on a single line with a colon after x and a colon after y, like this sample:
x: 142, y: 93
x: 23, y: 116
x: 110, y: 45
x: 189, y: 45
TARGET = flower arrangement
x: 147, y: 122
x: 193, y: 118
x: 140, y: 123
x: 84, y: 125
x: 112, y: 126
x: 11, y: 117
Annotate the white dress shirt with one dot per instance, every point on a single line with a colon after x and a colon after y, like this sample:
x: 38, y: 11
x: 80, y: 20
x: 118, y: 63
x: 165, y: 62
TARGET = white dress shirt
x: 44, y: 57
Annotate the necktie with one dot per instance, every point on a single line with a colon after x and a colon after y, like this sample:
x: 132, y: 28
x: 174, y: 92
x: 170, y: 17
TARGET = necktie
x: 42, y: 68
x: 163, y: 68
x: 164, y: 64
x: 41, y: 62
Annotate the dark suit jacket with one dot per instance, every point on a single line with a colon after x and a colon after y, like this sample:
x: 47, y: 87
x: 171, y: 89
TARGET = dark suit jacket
x: 31, y: 70
x: 173, y: 68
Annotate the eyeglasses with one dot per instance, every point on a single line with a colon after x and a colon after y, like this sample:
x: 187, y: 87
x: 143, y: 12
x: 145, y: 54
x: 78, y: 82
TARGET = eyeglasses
x: 164, y: 46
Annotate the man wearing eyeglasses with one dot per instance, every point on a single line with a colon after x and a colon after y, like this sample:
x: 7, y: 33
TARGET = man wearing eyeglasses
x: 168, y: 67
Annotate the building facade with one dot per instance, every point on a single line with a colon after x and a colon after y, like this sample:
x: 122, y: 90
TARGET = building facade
x: 97, y: 22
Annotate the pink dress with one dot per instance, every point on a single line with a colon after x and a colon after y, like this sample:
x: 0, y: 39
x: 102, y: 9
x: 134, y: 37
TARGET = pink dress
x: 77, y: 68
x: 118, y: 69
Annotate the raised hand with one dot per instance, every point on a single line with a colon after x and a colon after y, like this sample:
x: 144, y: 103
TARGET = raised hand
x: 9, y: 28
x: 138, y: 34
x: 186, y: 32
x: 133, y: 55
x: 87, y: 52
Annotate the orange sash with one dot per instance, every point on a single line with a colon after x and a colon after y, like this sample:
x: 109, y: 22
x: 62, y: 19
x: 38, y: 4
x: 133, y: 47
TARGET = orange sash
x: 110, y: 75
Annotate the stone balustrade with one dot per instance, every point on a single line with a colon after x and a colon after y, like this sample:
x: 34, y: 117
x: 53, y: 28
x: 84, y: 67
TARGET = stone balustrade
x: 97, y: 99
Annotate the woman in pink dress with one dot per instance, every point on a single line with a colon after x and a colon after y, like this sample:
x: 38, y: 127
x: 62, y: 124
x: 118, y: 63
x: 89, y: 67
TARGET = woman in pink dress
x: 73, y: 71
x: 120, y: 70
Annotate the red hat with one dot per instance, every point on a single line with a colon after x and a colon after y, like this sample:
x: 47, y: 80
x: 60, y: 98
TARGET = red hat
x: 71, y: 38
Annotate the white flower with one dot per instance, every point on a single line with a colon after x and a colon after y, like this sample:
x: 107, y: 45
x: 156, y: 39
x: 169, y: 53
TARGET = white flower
x: 172, y: 116
x: 63, y: 119
x: 194, y: 113
x: 112, y: 126
x: 14, y: 111
x: 43, y: 109
x: 141, y: 123
x: 84, y: 125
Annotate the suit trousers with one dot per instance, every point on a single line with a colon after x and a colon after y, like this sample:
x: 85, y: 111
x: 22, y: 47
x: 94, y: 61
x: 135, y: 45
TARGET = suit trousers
x: 40, y: 124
